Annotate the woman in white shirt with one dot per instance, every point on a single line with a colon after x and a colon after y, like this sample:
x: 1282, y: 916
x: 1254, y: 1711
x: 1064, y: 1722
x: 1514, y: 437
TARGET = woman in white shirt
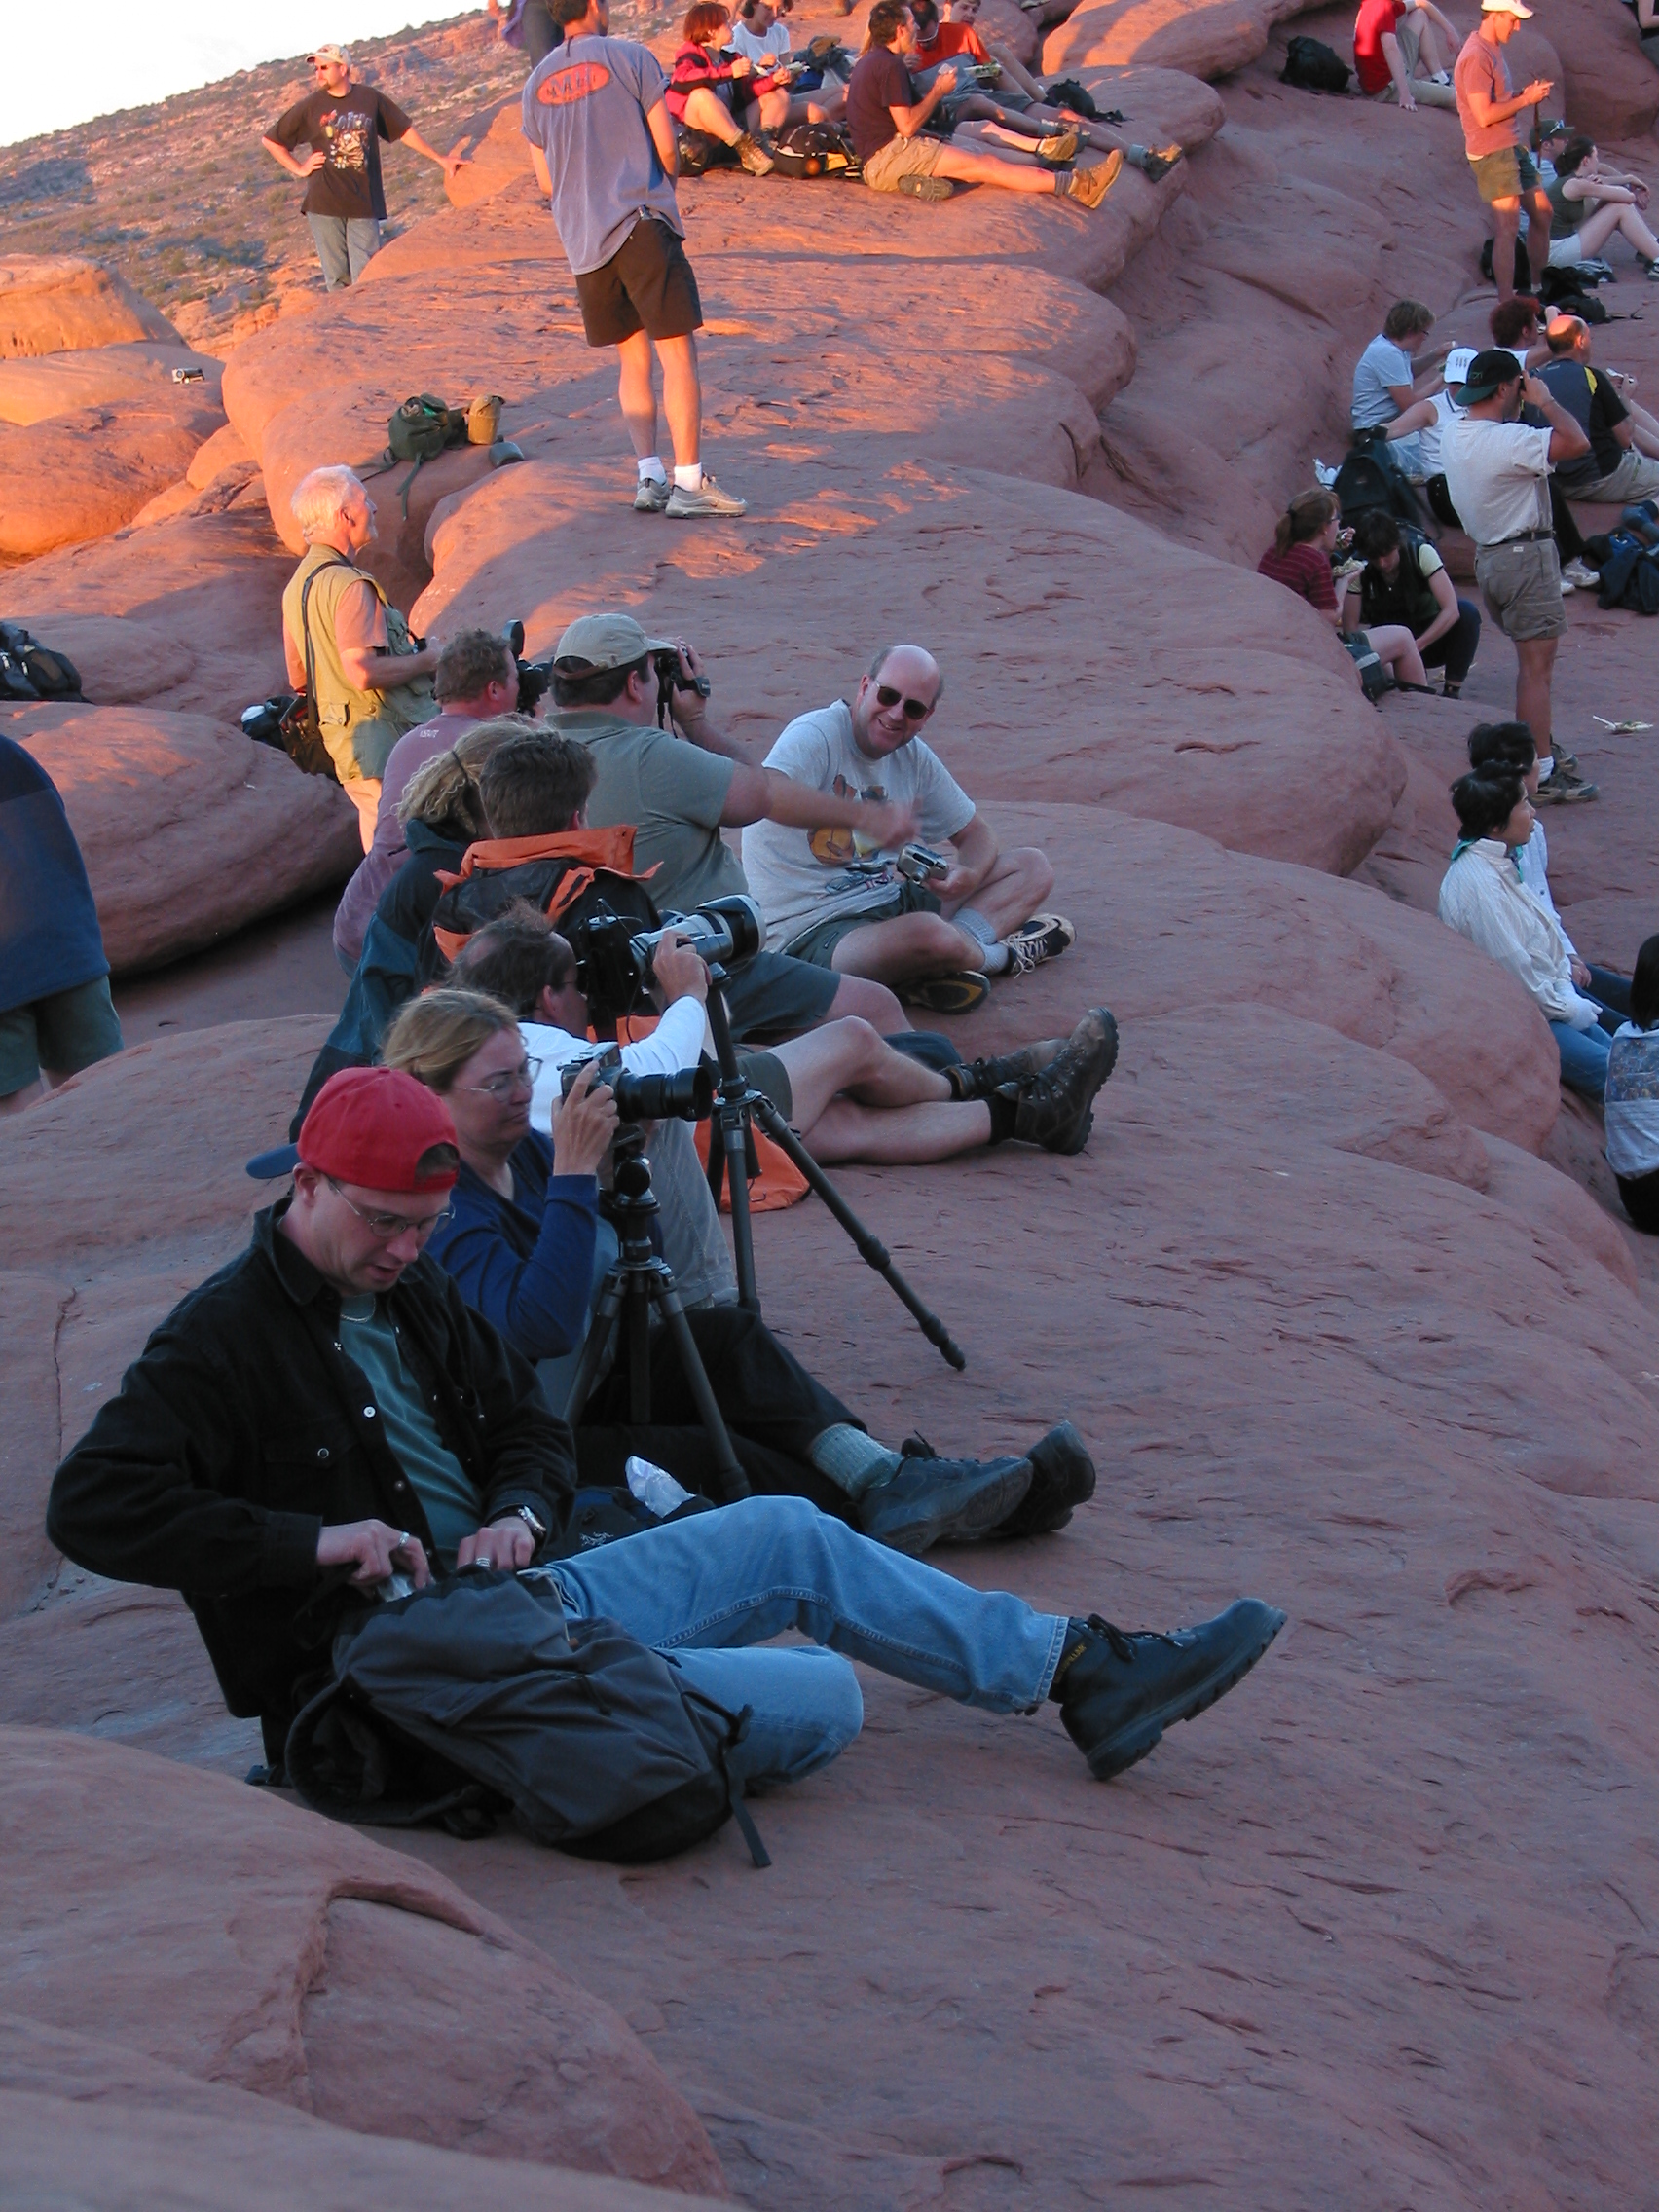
x: 1633, y: 1096
x: 761, y: 32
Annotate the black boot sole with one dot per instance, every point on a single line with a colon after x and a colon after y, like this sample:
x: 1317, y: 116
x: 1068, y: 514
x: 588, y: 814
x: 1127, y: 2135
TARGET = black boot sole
x: 1062, y: 1478
x: 1118, y: 1754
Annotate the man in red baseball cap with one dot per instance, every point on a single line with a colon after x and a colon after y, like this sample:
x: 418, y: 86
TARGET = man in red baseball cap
x: 327, y: 1411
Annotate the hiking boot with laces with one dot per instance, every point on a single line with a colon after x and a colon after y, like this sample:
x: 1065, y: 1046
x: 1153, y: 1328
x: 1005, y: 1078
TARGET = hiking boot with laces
x: 1090, y: 187
x: 707, y: 500
x: 752, y: 154
x: 1159, y: 163
x: 1055, y: 1109
x: 1564, y: 788
x: 1117, y: 1693
x: 1059, y: 147
x: 1062, y: 1478
x: 931, y: 1501
x: 1045, y: 937
x: 651, y: 496
x: 977, y: 1079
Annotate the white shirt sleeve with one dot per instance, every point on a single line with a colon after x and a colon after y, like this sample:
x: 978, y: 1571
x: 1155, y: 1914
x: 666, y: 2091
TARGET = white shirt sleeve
x: 676, y: 1043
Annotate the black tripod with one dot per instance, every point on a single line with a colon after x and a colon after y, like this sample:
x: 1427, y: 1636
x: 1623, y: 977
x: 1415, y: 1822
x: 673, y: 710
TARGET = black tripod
x: 736, y: 1103
x: 637, y: 1284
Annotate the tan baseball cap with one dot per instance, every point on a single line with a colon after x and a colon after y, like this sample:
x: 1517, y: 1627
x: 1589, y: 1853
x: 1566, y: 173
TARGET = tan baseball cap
x: 331, y: 53
x: 606, y: 641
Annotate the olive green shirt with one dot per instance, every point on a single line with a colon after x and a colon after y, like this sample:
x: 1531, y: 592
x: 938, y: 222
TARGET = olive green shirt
x: 359, y: 728
x: 673, y: 793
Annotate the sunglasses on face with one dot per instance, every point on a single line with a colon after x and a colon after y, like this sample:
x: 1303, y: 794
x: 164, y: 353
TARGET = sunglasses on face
x: 915, y: 709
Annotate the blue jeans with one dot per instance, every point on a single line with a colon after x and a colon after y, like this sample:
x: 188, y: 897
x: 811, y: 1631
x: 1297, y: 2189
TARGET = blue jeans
x: 1583, y: 1059
x: 343, y: 247
x: 708, y: 1587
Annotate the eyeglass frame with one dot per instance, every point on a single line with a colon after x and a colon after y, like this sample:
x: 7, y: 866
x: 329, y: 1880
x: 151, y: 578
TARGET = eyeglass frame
x: 424, y: 1230
x: 887, y: 697
x: 520, y: 1078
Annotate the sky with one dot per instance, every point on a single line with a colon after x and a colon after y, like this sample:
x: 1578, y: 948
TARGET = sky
x: 130, y: 53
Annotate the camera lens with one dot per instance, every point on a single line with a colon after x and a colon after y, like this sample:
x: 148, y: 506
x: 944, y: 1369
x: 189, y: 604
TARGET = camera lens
x: 687, y: 1095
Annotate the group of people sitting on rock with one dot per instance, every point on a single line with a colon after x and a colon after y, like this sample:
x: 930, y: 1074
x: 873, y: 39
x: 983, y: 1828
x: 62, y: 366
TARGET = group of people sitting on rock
x: 370, y: 1403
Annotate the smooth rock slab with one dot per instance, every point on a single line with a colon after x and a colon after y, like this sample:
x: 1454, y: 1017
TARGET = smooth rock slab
x: 55, y: 303
x: 59, y: 383
x: 81, y: 474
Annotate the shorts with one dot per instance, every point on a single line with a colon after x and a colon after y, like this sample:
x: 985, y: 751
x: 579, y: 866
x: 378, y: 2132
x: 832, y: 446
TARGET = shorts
x: 818, y: 946
x: 774, y: 996
x: 768, y: 1073
x: 1521, y: 585
x: 1566, y: 252
x: 903, y: 157
x: 65, y: 1032
x: 648, y: 284
x: 1506, y: 174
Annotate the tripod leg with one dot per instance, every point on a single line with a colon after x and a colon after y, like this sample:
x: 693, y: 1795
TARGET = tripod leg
x: 733, y: 1117
x: 605, y: 1308
x: 871, y: 1250
x: 636, y: 1322
x: 733, y: 1481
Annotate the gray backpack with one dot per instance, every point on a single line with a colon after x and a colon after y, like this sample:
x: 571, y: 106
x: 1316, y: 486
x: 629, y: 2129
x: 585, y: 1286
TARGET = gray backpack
x: 477, y: 1697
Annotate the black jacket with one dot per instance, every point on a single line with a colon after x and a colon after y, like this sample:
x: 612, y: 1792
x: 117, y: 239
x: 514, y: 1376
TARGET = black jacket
x: 243, y: 1428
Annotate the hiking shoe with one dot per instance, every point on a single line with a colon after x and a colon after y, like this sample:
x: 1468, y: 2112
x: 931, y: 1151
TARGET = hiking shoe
x: 1580, y: 575
x: 752, y: 154
x: 1059, y: 147
x: 1062, y: 1476
x: 1056, y: 1110
x: 1090, y: 187
x: 707, y: 500
x: 1159, y: 162
x: 927, y: 187
x: 960, y: 993
x: 1045, y: 937
x: 652, y: 495
x: 1120, y: 1692
x: 939, y: 1501
x: 977, y: 1079
x: 1564, y: 788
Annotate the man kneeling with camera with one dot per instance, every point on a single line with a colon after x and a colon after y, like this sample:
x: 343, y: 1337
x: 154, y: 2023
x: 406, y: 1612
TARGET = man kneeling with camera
x: 325, y: 1413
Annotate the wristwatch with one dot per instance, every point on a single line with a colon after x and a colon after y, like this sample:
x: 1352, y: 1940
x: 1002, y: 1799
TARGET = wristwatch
x: 533, y: 1523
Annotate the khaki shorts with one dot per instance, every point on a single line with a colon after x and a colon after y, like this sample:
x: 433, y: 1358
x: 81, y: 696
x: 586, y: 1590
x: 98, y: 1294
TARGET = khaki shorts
x: 903, y: 157
x: 1521, y: 585
x: 1503, y: 175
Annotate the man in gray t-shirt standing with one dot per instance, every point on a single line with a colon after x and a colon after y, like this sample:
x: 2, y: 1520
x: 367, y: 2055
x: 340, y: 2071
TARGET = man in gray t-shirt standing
x: 603, y: 145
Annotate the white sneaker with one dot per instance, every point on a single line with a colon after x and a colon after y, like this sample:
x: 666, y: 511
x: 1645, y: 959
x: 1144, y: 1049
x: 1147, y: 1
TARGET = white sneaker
x: 707, y: 500
x: 1045, y: 937
x: 1581, y: 577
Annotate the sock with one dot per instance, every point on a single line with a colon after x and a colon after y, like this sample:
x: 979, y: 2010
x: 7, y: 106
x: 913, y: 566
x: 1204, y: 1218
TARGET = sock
x: 975, y: 925
x: 689, y: 479
x: 998, y: 959
x: 1137, y: 155
x: 1076, y: 1644
x: 651, y: 470
x: 852, y: 1460
x: 1546, y: 766
x: 1003, y: 1112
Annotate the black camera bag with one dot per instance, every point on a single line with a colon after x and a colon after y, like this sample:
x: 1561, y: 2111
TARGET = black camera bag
x: 29, y: 669
x: 1312, y: 66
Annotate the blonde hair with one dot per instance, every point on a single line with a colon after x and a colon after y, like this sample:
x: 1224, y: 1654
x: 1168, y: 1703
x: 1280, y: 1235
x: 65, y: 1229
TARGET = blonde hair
x: 444, y: 793
x: 318, y: 499
x: 434, y: 1036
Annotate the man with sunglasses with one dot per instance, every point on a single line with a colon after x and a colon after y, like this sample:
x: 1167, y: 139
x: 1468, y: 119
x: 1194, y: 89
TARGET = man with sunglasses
x: 837, y: 900
x: 325, y: 1413
x: 340, y: 124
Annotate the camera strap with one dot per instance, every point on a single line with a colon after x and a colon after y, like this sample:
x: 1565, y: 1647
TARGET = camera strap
x: 313, y: 719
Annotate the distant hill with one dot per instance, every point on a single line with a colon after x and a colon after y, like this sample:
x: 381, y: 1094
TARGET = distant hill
x: 182, y: 198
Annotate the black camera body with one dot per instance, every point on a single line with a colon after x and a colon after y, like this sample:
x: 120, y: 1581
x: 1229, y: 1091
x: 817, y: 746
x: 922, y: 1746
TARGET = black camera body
x: 614, y: 957
x: 672, y: 677
x: 535, y: 677
x: 687, y: 1096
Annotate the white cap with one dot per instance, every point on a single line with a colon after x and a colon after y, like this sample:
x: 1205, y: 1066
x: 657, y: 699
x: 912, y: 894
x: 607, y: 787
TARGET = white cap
x: 1459, y: 363
x: 1505, y: 8
x: 340, y: 55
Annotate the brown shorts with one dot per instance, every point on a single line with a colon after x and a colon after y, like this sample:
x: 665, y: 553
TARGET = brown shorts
x: 648, y: 284
x: 1521, y: 585
x: 903, y: 157
x: 1506, y: 174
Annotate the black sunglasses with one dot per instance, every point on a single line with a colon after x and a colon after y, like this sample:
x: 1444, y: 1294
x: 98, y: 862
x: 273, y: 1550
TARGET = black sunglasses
x: 915, y: 709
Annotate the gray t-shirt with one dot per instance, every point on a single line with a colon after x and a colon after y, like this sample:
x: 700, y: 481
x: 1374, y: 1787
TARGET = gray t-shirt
x: 804, y: 877
x: 1381, y: 364
x: 453, y: 1507
x: 585, y: 106
x: 674, y: 794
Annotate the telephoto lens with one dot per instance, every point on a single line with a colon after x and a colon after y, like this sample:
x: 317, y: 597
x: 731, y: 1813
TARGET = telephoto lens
x: 687, y: 1096
x: 725, y: 930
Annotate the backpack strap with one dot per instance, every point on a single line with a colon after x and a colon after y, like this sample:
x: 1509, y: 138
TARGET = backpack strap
x: 313, y: 720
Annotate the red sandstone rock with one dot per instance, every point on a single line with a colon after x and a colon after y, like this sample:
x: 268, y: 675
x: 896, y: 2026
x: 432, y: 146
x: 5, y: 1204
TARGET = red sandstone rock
x: 303, y: 1962
x: 81, y: 474
x: 53, y: 303
x: 223, y: 450
x: 35, y: 387
x: 1208, y: 40
x: 189, y: 830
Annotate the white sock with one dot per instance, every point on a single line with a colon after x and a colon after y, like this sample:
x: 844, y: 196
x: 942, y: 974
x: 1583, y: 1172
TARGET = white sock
x: 852, y: 1460
x: 998, y: 959
x: 651, y: 470
x: 689, y: 479
x: 1546, y: 766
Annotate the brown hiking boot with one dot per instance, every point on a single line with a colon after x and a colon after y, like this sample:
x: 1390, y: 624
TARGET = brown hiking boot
x: 1056, y: 1110
x: 1059, y: 148
x: 977, y: 1079
x: 752, y: 154
x: 1091, y: 186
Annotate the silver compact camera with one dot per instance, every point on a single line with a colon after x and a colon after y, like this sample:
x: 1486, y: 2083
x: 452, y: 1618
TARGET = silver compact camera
x: 918, y: 863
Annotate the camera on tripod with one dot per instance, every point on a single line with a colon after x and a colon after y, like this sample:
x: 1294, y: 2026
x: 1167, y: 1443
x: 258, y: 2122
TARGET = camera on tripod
x: 614, y: 960
x: 687, y: 1096
x: 535, y: 677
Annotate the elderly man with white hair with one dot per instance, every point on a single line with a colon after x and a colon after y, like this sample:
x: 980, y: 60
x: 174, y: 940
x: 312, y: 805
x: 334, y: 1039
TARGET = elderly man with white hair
x: 347, y: 646
x: 931, y: 925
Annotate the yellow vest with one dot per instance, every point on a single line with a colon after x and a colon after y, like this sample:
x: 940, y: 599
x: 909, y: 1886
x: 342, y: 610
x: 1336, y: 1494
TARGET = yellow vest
x: 359, y: 728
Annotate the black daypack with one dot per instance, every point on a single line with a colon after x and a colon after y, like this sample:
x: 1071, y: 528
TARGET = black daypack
x: 701, y: 150
x: 477, y: 1697
x: 1375, y: 675
x: 29, y: 669
x: 1369, y: 481
x: 1563, y: 292
x: 1312, y: 66
x: 1523, y: 267
x: 570, y: 891
x: 814, y: 149
x: 1630, y: 576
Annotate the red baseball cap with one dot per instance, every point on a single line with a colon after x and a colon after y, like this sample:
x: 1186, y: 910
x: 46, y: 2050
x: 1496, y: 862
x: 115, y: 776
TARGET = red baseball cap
x: 379, y: 1128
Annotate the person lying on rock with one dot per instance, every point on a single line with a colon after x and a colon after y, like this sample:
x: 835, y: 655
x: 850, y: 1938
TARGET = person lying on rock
x: 887, y: 123
x: 522, y: 1243
x: 475, y: 680
x: 1505, y: 749
x: 326, y: 1411
x: 933, y: 924
x: 341, y: 124
x: 1404, y: 584
x: 1304, y: 540
x: 1498, y: 470
x: 1016, y: 108
x: 602, y: 147
x: 1482, y: 898
x: 347, y: 644
x: 677, y: 787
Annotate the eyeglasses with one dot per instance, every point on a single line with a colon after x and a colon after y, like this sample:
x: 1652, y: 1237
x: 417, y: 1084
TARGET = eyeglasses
x: 915, y: 709
x: 389, y: 1226
x: 501, y: 1087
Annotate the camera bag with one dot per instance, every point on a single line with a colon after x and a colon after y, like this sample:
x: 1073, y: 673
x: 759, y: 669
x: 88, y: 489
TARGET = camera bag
x: 29, y: 669
x: 814, y: 149
x: 478, y: 1696
x: 1369, y: 478
x: 1312, y: 66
